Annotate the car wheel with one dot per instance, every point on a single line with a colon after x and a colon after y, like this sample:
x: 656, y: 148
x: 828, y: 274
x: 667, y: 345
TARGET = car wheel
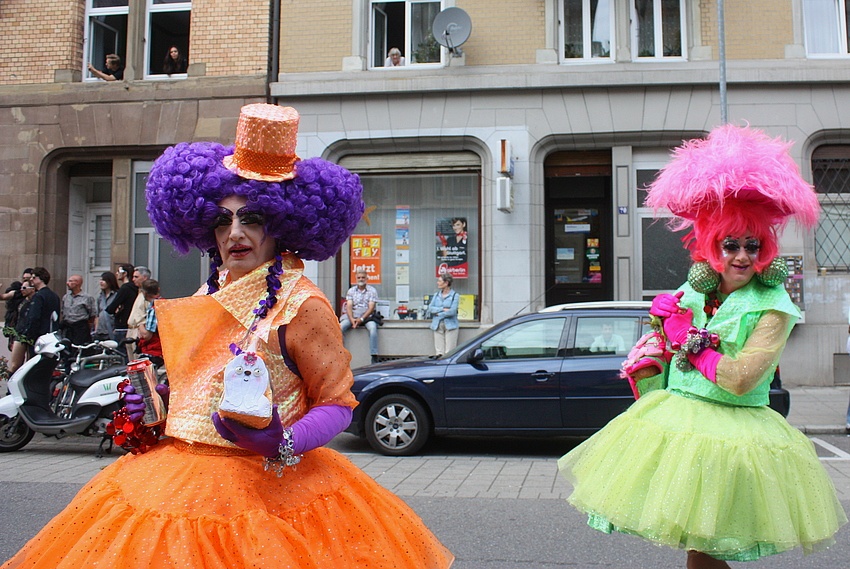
x: 14, y: 433
x: 397, y: 425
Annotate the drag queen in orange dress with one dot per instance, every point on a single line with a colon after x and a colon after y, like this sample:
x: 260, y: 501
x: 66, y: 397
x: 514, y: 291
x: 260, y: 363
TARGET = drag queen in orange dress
x: 215, y: 494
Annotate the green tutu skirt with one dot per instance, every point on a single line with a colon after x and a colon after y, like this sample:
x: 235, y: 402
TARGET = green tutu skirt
x: 737, y: 483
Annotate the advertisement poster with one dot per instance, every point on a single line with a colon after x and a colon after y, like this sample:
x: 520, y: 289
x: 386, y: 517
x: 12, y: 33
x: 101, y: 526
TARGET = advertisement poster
x: 452, y: 242
x: 366, y: 255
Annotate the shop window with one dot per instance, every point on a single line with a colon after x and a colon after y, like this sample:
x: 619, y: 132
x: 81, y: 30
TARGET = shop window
x: 106, y: 32
x: 658, y: 29
x: 831, y: 177
x: 406, y: 26
x: 587, y: 30
x: 826, y: 28
x: 415, y: 226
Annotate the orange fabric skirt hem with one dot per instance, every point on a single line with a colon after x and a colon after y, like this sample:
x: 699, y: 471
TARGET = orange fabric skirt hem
x: 172, y: 508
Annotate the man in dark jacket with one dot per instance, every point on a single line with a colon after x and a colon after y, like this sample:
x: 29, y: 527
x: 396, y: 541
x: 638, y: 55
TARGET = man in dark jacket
x: 43, y: 314
x: 122, y: 304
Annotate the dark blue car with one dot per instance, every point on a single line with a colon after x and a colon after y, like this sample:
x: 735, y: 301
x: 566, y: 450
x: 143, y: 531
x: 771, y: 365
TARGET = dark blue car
x: 550, y: 373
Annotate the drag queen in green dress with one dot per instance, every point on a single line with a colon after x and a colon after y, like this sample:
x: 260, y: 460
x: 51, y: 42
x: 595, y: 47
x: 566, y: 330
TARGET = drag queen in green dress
x: 704, y: 465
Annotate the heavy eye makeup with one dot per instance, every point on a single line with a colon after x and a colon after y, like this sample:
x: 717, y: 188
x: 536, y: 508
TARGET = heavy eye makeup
x: 245, y: 216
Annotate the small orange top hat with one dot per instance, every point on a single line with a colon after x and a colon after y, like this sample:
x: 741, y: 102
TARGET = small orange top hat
x: 266, y: 136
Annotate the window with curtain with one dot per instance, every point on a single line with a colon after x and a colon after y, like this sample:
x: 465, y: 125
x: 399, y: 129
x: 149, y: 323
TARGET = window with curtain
x: 587, y: 30
x: 658, y: 29
x: 825, y: 27
x: 406, y: 26
x: 417, y: 225
x: 831, y: 178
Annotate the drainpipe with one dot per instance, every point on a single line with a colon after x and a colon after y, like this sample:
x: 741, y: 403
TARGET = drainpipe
x: 274, y: 49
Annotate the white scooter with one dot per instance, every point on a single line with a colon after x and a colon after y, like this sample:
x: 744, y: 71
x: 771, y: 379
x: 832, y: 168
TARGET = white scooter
x: 29, y: 407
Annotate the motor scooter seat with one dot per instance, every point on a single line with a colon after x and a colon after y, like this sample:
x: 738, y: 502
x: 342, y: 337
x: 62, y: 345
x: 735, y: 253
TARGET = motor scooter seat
x: 85, y: 378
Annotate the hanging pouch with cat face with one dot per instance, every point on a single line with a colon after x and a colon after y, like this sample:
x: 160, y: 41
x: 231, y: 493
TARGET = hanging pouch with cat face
x: 247, y: 397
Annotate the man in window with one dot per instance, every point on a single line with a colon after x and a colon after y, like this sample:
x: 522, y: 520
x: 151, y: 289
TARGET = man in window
x: 113, y: 71
x: 360, y: 304
x: 608, y: 341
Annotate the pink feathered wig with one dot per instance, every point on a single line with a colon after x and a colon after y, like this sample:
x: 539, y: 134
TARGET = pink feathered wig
x: 736, y: 181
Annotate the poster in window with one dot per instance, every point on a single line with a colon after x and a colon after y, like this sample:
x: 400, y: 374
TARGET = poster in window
x: 452, y: 242
x: 366, y: 255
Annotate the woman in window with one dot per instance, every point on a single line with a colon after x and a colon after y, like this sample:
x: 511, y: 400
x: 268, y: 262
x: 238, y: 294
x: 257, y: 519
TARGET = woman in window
x: 704, y: 465
x: 174, y: 62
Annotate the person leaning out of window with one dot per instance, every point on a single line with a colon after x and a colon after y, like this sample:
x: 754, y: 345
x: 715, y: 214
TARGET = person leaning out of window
x: 113, y: 70
x: 443, y: 312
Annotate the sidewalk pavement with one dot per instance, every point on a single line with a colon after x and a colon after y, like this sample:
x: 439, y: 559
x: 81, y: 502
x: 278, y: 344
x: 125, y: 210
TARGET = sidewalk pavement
x: 814, y: 410
x: 819, y: 410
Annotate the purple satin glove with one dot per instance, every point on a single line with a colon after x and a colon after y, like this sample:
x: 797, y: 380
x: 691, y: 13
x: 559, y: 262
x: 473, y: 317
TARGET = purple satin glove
x: 135, y: 403
x: 164, y: 392
x: 706, y: 362
x: 664, y: 305
x: 265, y: 442
x: 318, y: 426
x: 676, y: 327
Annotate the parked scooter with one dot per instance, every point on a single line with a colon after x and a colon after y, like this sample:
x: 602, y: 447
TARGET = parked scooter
x: 92, y: 396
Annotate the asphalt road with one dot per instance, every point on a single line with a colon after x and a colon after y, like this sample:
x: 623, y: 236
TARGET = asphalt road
x: 484, y: 533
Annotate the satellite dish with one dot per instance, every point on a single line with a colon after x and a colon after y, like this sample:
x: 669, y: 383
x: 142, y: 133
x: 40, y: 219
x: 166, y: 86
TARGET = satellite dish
x: 451, y: 29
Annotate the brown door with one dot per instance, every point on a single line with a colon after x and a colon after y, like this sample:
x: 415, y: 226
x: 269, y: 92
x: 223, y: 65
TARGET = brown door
x: 578, y: 239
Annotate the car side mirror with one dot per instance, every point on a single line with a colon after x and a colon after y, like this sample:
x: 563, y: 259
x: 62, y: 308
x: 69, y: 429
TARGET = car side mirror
x: 476, y: 356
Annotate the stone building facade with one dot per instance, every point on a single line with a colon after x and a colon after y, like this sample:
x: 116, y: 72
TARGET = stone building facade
x: 554, y: 110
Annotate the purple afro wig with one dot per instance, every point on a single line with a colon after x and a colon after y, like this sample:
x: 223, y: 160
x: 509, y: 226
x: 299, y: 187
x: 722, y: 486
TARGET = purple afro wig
x: 311, y: 215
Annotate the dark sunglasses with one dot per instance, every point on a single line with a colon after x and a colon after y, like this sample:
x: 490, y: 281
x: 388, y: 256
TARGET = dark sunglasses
x: 751, y: 246
x: 245, y: 216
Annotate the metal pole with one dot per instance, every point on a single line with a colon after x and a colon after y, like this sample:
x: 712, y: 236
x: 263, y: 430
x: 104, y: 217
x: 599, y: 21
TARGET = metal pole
x: 721, y: 53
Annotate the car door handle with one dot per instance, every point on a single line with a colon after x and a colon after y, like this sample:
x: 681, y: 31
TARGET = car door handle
x: 542, y: 375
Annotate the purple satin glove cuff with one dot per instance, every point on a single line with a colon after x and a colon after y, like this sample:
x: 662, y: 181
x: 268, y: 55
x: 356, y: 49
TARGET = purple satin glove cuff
x: 706, y: 363
x: 319, y: 426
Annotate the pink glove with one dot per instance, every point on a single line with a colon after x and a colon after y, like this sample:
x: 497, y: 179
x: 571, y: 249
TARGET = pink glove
x: 265, y: 442
x: 706, y: 363
x: 630, y: 372
x: 318, y: 426
x: 676, y: 327
x: 665, y: 304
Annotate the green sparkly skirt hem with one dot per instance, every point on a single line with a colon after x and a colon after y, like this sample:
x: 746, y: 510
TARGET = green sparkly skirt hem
x: 736, y: 483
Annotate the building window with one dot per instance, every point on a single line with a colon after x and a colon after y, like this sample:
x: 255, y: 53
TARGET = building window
x: 404, y: 25
x: 178, y: 275
x: 664, y: 260
x: 106, y: 32
x: 831, y: 177
x: 417, y: 224
x: 587, y: 30
x: 826, y: 27
x: 167, y: 27
x: 658, y: 29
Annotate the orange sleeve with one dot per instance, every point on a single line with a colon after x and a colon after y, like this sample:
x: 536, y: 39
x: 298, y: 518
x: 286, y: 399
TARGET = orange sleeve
x: 314, y: 342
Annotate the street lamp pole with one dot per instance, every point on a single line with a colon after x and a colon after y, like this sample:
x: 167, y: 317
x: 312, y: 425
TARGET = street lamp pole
x: 721, y: 53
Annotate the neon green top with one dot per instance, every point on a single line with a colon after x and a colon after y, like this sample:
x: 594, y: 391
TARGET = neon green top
x: 753, y: 324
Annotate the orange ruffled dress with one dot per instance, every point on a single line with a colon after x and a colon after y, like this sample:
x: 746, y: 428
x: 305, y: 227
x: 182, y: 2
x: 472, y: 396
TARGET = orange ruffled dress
x: 196, y: 501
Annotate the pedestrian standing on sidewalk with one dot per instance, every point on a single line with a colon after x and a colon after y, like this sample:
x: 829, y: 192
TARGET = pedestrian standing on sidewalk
x: 79, y: 310
x: 705, y: 465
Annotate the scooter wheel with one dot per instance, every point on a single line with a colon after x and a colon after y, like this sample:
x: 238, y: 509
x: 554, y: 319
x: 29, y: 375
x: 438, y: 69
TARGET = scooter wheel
x: 14, y: 433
